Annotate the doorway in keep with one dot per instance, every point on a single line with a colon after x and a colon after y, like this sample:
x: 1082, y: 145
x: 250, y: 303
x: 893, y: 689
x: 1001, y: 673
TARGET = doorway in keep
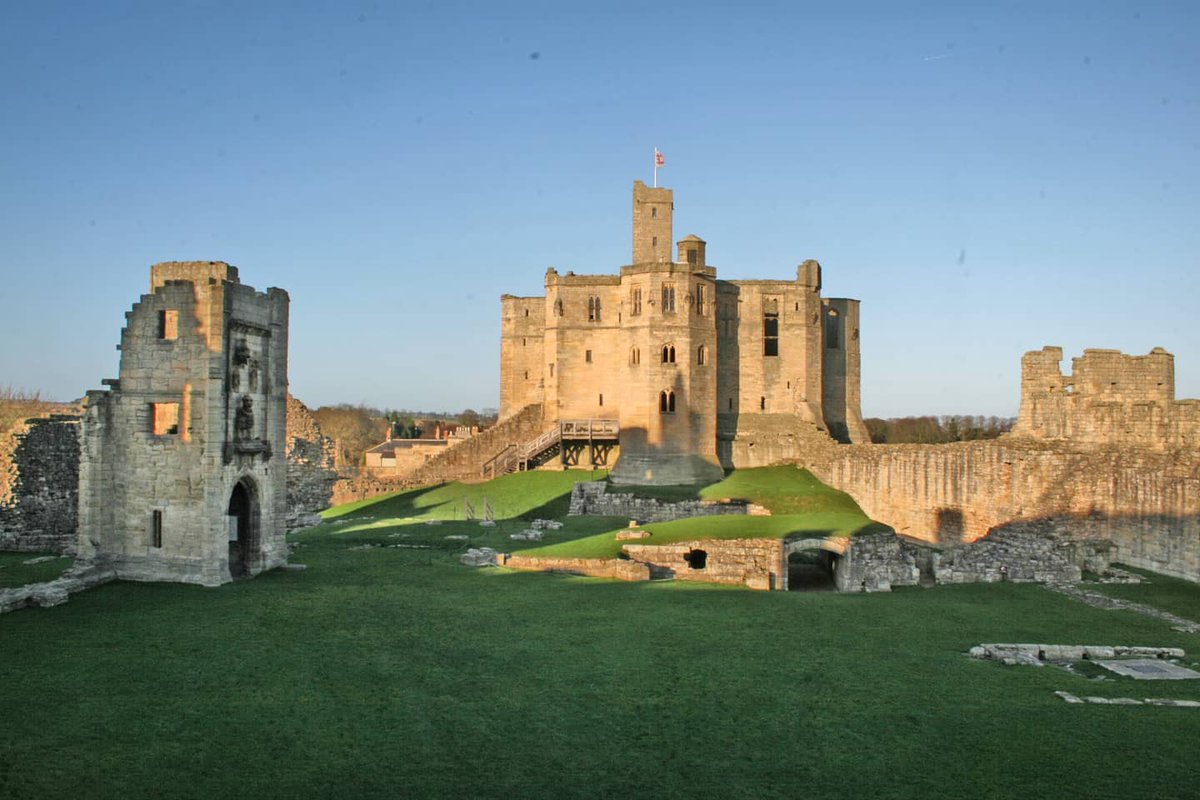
x: 243, y: 529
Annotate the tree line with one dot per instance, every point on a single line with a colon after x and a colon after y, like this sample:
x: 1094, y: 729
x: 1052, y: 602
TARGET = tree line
x: 936, y: 430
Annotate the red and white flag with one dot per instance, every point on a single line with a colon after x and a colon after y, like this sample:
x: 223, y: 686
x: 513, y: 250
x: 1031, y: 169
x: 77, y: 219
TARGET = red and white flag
x: 658, y: 158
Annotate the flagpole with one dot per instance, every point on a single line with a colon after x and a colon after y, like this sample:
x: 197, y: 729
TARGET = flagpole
x: 656, y: 168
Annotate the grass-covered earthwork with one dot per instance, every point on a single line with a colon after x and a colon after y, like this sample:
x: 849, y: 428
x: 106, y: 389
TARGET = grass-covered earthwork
x: 387, y: 669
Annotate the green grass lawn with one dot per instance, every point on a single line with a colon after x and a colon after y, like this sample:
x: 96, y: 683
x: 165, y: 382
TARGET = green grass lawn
x: 396, y: 672
x: 800, y: 506
x: 15, y: 572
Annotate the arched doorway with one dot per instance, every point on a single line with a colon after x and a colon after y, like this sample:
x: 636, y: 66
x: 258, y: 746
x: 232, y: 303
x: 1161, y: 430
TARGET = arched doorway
x: 812, y: 566
x: 243, y: 529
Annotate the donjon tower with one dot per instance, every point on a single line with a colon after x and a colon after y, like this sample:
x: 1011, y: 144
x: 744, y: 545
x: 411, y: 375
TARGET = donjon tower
x: 702, y: 374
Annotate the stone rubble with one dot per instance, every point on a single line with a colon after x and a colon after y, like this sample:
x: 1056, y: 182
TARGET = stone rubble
x: 479, y: 557
x: 1040, y: 653
x: 1128, y: 701
x: 530, y: 535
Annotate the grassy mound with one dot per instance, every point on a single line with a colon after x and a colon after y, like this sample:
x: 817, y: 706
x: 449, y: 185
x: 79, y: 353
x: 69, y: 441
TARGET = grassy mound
x: 800, y: 506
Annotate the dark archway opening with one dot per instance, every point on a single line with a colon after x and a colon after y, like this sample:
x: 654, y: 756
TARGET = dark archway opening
x: 242, y: 517
x: 811, y: 570
x: 696, y: 559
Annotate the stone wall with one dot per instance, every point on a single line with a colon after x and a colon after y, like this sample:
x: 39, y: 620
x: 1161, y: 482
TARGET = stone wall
x: 617, y: 568
x: 595, y: 499
x: 1147, y: 503
x: 39, y: 485
x: 310, y: 463
x: 1108, y: 399
x: 1009, y: 555
x: 755, y: 563
x: 876, y: 562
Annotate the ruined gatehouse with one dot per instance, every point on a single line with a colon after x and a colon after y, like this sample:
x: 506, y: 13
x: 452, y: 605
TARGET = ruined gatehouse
x: 182, y: 470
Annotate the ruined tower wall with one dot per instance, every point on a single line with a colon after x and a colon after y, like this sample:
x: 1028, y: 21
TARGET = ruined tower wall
x: 200, y: 406
x: 1147, y: 503
x: 1109, y: 399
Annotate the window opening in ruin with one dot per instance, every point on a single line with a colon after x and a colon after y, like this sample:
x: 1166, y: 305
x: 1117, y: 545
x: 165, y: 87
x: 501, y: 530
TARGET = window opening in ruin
x: 551, y: 369
x: 635, y: 356
x: 526, y: 374
x: 527, y: 312
x: 601, y: 400
x: 696, y: 559
x: 700, y: 300
x: 654, y: 241
x: 164, y: 418
x: 668, y: 354
x: 593, y: 309
x: 770, y: 334
x: 731, y: 404
x: 797, y: 306
x: 762, y: 404
x: 168, y: 324
x: 156, y: 527
x: 668, y: 298
x: 832, y: 329
x: 636, y: 302
x: 666, y: 402
x: 587, y: 356
x: 700, y: 355
x: 653, y: 212
x: 522, y: 343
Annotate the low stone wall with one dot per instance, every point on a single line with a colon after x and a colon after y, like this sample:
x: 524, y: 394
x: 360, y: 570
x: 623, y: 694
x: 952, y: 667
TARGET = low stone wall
x: 53, y: 593
x: 594, y: 498
x: 1008, y: 555
x: 39, y: 485
x: 756, y: 563
x: 875, y: 562
x: 1146, y: 503
x: 617, y: 568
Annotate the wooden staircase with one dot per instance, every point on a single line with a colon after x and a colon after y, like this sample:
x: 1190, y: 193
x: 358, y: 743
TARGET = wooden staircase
x: 568, y: 439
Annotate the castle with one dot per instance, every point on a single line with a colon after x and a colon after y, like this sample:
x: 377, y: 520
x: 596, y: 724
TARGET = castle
x: 700, y: 374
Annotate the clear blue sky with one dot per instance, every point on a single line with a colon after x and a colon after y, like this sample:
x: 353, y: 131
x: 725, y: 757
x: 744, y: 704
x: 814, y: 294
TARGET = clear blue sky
x: 986, y: 178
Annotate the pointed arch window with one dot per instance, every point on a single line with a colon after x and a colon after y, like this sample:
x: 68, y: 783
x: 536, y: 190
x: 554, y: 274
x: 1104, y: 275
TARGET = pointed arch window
x: 668, y: 354
x: 666, y: 402
x: 635, y: 356
x: 701, y: 355
x: 593, y: 309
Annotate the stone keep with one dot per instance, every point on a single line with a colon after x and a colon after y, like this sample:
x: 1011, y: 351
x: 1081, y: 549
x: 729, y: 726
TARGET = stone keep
x: 182, y: 470
x: 701, y: 373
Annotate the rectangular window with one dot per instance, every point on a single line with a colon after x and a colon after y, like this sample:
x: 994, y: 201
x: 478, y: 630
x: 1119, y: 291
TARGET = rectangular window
x: 587, y: 356
x: 668, y: 298
x: 168, y: 324
x: 636, y: 302
x: 593, y: 309
x: 770, y: 334
x: 164, y: 419
x: 700, y: 299
x: 601, y: 399
x: 156, y: 529
x: 551, y: 369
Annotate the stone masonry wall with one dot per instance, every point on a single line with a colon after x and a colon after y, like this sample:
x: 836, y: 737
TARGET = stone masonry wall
x: 617, y: 568
x: 755, y: 563
x: 594, y: 498
x: 310, y: 463
x: 1146, y: 503
x: 39, y: 485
